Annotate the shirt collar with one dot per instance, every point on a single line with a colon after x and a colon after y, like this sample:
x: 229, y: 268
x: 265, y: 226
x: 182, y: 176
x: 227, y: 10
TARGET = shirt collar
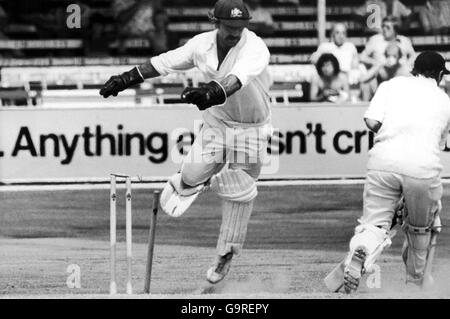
x: 428, y: 81
x: 213, y: 40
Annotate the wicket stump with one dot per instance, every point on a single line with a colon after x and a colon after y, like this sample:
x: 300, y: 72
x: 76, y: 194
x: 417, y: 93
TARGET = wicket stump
x: 128, y: 235
x: 113, y: 232
x: 151, y: 241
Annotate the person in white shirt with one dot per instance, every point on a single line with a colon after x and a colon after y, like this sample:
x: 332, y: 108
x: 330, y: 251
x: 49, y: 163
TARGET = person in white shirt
x: 383, y: 72
x: 345, y: 51
x: 411, y: 118
x: 374, y: 52
x: 227, y: 155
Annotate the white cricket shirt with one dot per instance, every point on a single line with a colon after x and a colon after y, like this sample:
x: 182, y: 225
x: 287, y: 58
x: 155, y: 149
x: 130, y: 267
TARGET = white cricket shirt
x: 247, y: 60
x: 415, y: 117
x: 376, y: 47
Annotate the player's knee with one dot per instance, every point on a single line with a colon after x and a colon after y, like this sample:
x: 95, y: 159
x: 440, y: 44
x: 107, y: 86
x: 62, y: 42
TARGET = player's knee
x: 253, y: 170
x: 418, y: 237
x: 191, y: 178
x: 234, y: 185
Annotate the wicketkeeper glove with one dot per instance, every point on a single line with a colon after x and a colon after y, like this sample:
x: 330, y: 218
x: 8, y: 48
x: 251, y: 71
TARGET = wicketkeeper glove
x: 118, y: 83
x: 204, y: 97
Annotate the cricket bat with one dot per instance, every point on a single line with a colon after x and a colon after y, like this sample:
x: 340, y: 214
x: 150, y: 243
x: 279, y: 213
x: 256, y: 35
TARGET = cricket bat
x: 335, y: 279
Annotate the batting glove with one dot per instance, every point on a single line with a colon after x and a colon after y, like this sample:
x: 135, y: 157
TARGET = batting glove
x: 205, y: 96
x: 118, y: 83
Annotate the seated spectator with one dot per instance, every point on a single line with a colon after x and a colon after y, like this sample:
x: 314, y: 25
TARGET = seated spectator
x: 384, y: 71
x: 345, y: 51
x: 330, y: 84
x: 387, y: 8
x: 162, y: 39
x: 434, y: 16
x: 134, y: 19
x: 3, y: 23
x: 261, y: 22
x: 99, y: 37
x: 374, y: 52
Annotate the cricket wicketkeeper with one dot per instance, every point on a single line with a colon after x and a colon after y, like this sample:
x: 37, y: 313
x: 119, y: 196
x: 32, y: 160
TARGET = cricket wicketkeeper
x: 411, y: 118
x: 228, y: 153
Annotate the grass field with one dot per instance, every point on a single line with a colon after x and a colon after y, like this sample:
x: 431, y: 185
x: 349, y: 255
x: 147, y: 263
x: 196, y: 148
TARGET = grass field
x: 295, y: 237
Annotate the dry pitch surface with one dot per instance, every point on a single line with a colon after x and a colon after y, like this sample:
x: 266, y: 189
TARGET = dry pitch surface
x: 295, y: 237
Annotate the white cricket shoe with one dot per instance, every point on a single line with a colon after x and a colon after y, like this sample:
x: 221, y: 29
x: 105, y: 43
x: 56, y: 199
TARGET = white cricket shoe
x: 354, y: 270
x: 220, y: 269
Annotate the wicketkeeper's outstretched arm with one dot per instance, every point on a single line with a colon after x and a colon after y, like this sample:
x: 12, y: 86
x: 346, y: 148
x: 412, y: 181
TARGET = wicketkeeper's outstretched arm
x: 118, y: 83
x: 212, y: 93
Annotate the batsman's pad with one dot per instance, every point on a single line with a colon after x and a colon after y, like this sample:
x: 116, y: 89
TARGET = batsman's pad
x: 234, y: 185
x: 416, y: 247
x: 417, y: 243
x: 373, y: 239
x: 238, y: 191
x: 235, y: 217
x: 175, y: 199
x: 335, y: 279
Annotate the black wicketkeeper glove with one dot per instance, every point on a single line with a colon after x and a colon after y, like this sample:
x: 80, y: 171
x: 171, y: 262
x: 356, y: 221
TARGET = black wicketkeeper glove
x: 118, y: 83
x: 204, y: 97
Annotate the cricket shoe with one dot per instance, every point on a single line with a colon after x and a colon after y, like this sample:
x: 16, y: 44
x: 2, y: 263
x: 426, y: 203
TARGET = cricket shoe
x: 354, y: 270
x: 220, y: 269
x: 415, y: 280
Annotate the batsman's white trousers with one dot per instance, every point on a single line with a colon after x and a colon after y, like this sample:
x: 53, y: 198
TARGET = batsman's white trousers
x: 382, y: 192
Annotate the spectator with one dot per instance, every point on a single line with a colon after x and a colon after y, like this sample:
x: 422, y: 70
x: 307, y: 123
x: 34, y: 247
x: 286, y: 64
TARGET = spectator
x: 387, y: 8
x: 374, y: 52
x: 3, y: 23
x: 435, y: 16
x: 345, y: 51
x: 261, y: 22
x: 330, y: 84
x: 162, y: 39
x: 134, y: 19
x: 384, y: 72
x: 99, y: 37
x: 5, y: 20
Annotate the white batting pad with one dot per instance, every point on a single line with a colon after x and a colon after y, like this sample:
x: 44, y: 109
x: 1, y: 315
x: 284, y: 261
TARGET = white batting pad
x: 233, y: 230
x: 175, y: 199
x: 373, y: 239
x: 234, y: 185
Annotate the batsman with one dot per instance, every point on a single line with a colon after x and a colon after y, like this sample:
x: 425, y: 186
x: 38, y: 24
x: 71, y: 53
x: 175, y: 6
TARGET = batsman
x: 227, y: 155
x: 411, y: 118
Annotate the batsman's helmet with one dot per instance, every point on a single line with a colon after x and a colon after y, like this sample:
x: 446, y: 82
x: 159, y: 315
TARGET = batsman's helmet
x: 429, y: 61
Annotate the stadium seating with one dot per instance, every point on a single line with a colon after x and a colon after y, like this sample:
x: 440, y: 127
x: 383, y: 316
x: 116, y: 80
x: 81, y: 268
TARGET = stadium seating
x: 47, y: 65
